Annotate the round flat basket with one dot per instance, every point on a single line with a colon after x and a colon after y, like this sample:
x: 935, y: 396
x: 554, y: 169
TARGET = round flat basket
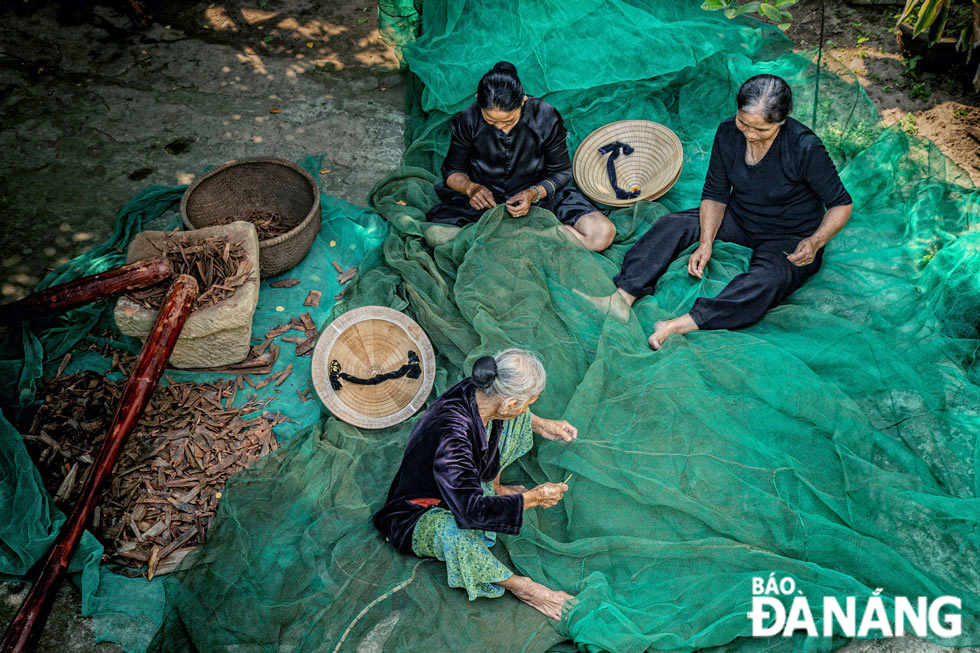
x: 653, y: 167
x: 373, y: 367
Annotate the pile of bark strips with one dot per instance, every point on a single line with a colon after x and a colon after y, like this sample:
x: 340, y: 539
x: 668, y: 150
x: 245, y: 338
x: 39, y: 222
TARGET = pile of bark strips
x: 268, y: 224
x: 219, y: 266
x: 166, y: 486
x: 167, y: 483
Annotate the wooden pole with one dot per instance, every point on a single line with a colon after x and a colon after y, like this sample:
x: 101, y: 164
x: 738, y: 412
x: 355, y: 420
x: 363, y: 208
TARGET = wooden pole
x: 25, y: 629
x: 87, y: 289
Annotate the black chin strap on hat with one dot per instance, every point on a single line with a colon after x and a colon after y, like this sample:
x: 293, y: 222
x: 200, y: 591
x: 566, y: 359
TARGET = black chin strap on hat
x: 613, y: 150
x: 412, y: 369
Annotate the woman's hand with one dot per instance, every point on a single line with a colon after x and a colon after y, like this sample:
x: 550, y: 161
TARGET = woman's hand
x: 520, y: 204
x: 555, y: 429
x: 480, y: 196
x: 545, y: 495
x: 806, y: 250
x: 699, y: 259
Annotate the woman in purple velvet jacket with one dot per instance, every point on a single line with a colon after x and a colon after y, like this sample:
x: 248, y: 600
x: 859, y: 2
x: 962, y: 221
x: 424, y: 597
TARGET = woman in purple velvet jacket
x: 446, y: 500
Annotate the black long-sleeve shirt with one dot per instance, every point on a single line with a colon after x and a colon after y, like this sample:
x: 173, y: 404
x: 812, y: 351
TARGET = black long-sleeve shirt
x: 784, y: 194
x: 448, y: 456
x: 533, y: 153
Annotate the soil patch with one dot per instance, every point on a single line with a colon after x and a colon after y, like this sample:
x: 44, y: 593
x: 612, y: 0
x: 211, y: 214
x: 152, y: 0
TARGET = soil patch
x: 940, y: 105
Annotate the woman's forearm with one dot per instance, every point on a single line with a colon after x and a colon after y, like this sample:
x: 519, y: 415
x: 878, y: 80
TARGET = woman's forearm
x: 460, y: 182
x: 711, y: 215
x: 496, y: 484
x: 531, y: 499
x: 833, y: 221
x: 554, y: 183
x: 535, y: 423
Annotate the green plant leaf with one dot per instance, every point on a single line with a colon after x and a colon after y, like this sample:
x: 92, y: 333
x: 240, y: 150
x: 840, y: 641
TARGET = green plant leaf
x: 268, y: 39
x: 731, y: 13
x: 785, y: 3
x: 784, y: 26
x: 784, y: 16
x: 961, y: 41
x: 770, y: 12
x: 749, y: 7
x: 928, y: 14
x: 712, y: 5
x: 936, y: 31
x: 862, y: 40
x: 909, y: 8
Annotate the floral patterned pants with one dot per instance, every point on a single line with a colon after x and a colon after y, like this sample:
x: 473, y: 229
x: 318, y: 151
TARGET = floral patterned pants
x: 469, y: 563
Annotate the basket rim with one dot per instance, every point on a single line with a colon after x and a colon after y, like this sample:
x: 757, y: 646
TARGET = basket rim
x: 303, y: 224
x: 588, y: 142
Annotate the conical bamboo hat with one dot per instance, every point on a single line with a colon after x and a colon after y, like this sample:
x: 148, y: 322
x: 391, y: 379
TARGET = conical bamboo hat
x: 653, y: 167
x: 356, y: 357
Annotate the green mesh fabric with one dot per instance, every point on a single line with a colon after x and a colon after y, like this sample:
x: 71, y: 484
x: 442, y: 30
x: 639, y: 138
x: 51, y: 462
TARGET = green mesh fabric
x: 398, y: 21
x: 835, y: 442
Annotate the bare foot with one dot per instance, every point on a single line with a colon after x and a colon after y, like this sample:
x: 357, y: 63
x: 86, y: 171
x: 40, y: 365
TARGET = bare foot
x: 439, y: 234
x: 627, y: 297
x: 546, y: 601
x: 679, y: 325
x: 614, y: 304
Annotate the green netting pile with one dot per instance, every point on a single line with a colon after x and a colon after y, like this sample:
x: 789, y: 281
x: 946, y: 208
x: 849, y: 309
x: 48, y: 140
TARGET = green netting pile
x: 834, y: 443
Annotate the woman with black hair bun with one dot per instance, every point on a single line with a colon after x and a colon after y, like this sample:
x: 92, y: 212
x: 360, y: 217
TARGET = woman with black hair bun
x: 447, y: 501
x: 770, y: 186
x: 508, y: 147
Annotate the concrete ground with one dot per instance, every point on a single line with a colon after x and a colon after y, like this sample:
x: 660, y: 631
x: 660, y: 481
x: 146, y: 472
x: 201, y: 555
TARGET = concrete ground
x: 94, y: 112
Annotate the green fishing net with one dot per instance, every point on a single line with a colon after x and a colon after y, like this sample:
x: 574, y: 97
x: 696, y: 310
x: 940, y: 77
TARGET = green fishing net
x: 834, y: 443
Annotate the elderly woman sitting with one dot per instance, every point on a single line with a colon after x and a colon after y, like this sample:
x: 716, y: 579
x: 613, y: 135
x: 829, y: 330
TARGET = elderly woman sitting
x: 771, y: 186
x: 446, y: 500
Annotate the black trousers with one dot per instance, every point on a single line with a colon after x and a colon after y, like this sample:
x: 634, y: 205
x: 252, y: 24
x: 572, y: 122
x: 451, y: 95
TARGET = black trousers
x: 568, y: 205
x: 743, y: 302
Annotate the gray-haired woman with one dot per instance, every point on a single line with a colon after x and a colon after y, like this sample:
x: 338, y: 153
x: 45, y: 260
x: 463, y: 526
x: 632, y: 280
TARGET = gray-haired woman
x: 447, y: 502
x: 770, y: 186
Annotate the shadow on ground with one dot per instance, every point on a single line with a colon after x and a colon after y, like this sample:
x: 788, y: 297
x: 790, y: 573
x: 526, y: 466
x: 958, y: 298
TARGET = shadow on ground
x: 94, y: 112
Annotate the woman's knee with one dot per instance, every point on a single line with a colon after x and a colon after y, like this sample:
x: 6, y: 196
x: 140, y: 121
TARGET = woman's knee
x: 680, y: 223
x: 605, y: 233
x: 597, y: 230
x: 782, y: 276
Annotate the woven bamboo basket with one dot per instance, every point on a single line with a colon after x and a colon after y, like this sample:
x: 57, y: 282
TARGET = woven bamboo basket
x: 653, y: 167
x: 366, y: 343
x: 259, y: 184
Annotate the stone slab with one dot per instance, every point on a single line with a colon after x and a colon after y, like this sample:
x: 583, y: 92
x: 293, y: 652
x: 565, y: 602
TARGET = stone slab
x: 213, y: 336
